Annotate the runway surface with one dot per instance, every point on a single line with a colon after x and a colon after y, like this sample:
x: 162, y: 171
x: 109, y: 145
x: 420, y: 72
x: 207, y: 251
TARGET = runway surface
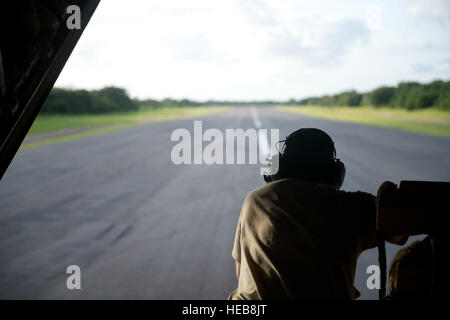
x: 141, y: 227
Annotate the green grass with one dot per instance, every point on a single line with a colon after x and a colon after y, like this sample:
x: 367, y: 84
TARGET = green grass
x: 76, y: 136
x: 48, y: 123
x: 100, y: 124
x: 428, y: 121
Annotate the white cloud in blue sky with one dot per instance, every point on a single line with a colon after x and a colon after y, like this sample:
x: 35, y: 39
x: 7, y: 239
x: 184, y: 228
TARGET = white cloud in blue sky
x: 259, y: 49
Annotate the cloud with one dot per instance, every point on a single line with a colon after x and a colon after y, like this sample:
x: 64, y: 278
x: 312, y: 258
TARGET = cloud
x: 441, y: 67
x: 325, y: 44
x: 423, y: 68
x: 195, y: 47
x: 373, y: 17
x: 285, y: 31
x: 258, y: 12
x: 435, y: 10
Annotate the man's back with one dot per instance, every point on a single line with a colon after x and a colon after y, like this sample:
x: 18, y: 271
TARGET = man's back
x: 298, y: 239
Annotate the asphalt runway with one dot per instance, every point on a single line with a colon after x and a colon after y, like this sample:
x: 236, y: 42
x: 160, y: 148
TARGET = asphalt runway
x: 141, y: 227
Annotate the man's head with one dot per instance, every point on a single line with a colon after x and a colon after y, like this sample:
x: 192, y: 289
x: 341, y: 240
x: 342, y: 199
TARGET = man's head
x: 309, y: 154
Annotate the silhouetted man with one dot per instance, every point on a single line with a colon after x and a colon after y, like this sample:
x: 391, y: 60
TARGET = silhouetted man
x: 299, y: 236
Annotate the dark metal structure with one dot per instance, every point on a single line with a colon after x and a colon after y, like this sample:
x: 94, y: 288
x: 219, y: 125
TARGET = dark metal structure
x: 416, y: 208
x: 35, y: 44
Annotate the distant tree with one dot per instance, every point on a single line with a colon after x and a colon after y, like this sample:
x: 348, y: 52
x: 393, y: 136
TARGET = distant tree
x: 292, y: 101
x: 405, y: 94
x: 148, y: 103
x: 408, y: 95
x: 116, y: 99
x: 348, y: 98
x: 443, y: 100
x: 381, y: 96
x: 365, y: 100
x: 68, y: 101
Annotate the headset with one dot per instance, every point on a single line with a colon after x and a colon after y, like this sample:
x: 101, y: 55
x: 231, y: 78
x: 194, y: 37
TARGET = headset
x: 308, y: 154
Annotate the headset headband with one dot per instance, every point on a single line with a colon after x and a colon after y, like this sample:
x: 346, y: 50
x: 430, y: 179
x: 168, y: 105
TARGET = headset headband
x: 310, y: 130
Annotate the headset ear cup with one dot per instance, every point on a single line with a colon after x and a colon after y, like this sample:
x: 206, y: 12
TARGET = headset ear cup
x: 339, y: 174
x: 280, y: 174
x: 275, y: 165
x: 272, y: 169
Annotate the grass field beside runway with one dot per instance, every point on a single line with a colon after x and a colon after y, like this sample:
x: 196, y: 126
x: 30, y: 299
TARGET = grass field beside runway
x: 53, y: 122
x: 90, y: 125
x: 428, y: 121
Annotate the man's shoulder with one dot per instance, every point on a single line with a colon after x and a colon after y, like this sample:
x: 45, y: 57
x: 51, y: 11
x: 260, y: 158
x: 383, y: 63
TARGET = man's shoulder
x: 282, y: 186
x: 270, y: 187
x: 290, y: 186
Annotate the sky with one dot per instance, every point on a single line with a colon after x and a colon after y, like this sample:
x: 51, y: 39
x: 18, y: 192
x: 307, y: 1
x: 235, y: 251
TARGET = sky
x: 259, y: 49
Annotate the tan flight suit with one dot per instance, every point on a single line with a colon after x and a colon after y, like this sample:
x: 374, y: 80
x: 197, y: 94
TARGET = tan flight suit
x: 301, y: 240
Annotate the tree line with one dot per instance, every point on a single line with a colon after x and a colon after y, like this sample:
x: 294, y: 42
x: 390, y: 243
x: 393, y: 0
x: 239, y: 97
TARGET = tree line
x: 107, y: 99
x: 114, y: 99
x: 407, y: 95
